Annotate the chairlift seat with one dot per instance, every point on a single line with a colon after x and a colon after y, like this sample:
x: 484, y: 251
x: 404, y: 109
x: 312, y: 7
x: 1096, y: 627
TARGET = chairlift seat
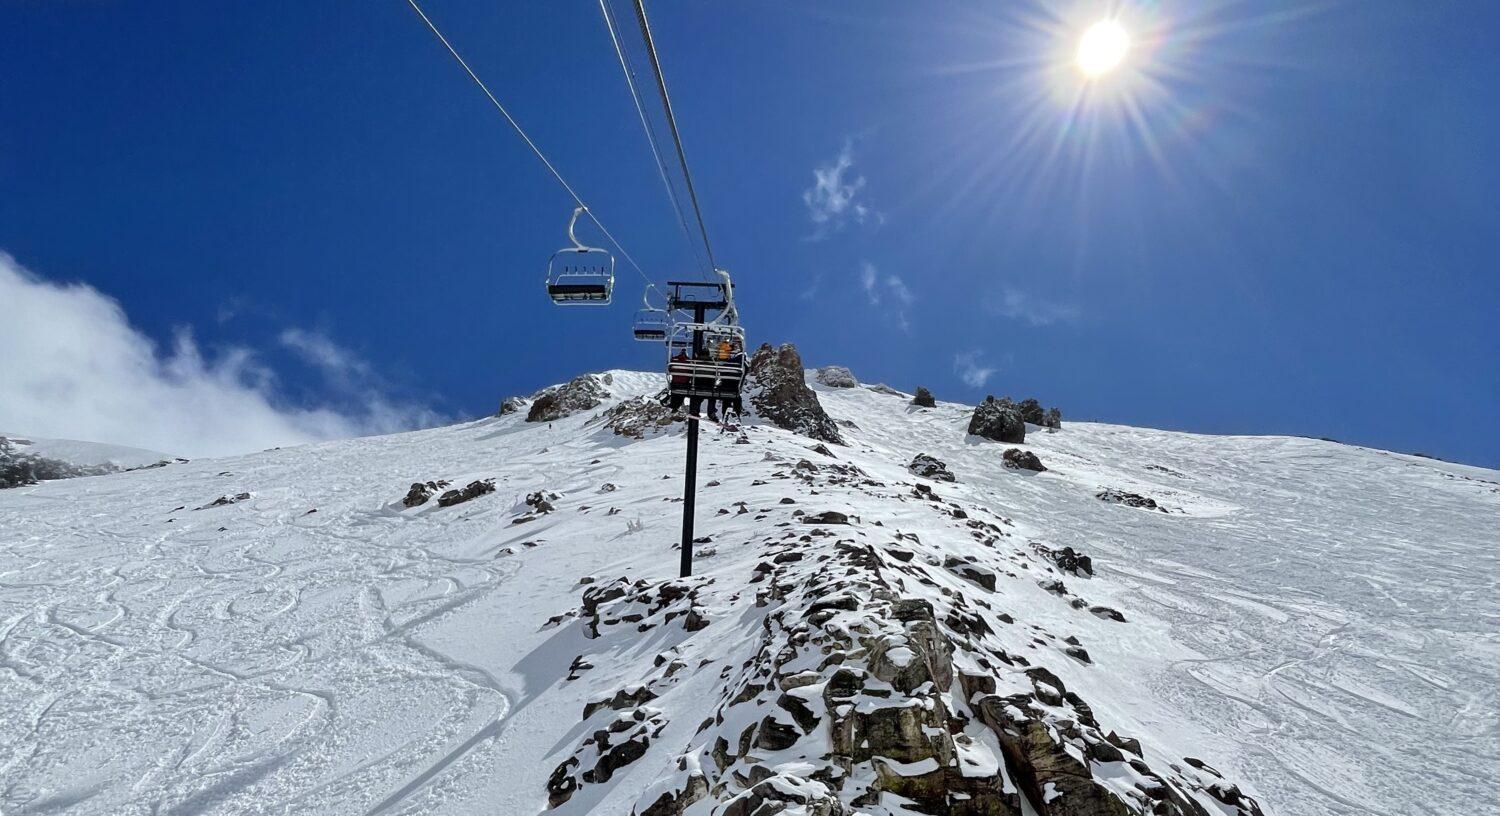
x: 581, y: 276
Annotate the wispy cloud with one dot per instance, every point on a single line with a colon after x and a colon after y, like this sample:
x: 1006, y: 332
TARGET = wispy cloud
x: 1018, y: 305
x: 970, y: 367
x: 834, y: 200
x: 75, y: 368
x: 889, y: 291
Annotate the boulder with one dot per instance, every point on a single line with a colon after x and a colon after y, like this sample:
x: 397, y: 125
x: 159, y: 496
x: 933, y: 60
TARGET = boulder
x: 999, y: 420
x: 1053, y: 419
x: 930, y: 468
x: 837, y: 377
x: 924, y: 399
x: 776, y: 391
x: 1116, y: 496
x: 510, y: 405
x: 472, y: 490
x: 1017, y: 459
x: 420, y: 492
x: 1032, y: 411
x: 582, y: 393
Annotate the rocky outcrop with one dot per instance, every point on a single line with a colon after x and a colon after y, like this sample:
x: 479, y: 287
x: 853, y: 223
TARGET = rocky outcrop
x: 837, y: 377
x: 1033, y: 412
x: 18, y: 469
x: 1017, y: 459
x: 998, y: 419
x: 777, y: 392
x: 930, y: 468
x: 472, y: 490
x: 923, y: 399
x: 510, y: 405
x: 582, y: 393
x: 1116, y: 496
x: 859, y: 695
x: 420, y: 492
x: 639, y: 418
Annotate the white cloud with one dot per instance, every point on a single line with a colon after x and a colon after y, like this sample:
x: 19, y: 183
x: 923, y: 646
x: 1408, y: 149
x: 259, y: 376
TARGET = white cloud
x: 888, y: 289
x: 869, y: 278
x: 833, y: 200
x: 1018, y: 305
x: 73, y: 367
x: 969, y: 367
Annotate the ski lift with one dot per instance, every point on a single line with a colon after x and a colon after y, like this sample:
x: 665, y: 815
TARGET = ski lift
x: 651, y: 324
x: 712, y: 369
x: 580, y: 275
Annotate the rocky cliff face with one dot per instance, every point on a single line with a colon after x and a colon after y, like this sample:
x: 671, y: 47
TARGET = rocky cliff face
x: 776, y: 391
x: 877, y: 682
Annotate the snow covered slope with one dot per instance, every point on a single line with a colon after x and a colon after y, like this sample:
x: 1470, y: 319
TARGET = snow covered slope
x: 279, y: 633
x: 77, y: 452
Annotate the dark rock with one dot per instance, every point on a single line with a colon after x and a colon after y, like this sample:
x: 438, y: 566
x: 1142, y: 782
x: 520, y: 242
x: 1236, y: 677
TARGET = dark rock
x: 1053, y: 420
x: 624, y: 698
x: 1066, y: 559
x: 582, y: 393
x: 999, y: 420
x: 826, y: 517
x: 638, y: 418
x: 18, y: 469
x: 420, y: 492
x: 923, y: 399
x: 1107, y: 613
x: 1032, y: 411
x: 510, y: 405
x: 1017, y: 459
x: 776, y: 391
x: 1128, y: 499
x: 224, y: 501
x: 837, y: 377
x: 472, y: 490
x: 930, y: 468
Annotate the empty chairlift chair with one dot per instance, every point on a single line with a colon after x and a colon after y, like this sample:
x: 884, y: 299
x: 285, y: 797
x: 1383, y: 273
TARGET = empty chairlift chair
x: 651, y: 325
x: 580, y: 275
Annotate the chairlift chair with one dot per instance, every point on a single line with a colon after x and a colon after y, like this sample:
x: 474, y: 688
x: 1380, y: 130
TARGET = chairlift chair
x: 716, y: 372
x: 580, y: 275
x: 651, y: 324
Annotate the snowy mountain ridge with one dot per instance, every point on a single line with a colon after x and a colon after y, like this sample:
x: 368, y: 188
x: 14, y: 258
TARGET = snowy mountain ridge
x: 856, y: 638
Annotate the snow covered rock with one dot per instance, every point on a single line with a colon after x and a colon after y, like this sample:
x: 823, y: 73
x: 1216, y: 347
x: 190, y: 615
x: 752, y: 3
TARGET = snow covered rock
x: 639, y: 417
x: 511, y: 405
x: 20, y: 466
x: 468, y: 492
x: 420, y: 492
x: 930, y: 468
x: 1125, y: 497
x: 924, y: 399
x: 999, y: 420
x: 777, y: 392
x: 1017, y: 459
x: 582, y: 393
x: 837, y: 377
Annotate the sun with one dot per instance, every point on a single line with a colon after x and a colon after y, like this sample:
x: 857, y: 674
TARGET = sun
x: 1102, y: 49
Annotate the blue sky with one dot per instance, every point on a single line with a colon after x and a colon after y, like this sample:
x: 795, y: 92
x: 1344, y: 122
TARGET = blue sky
x: 1278, y: 219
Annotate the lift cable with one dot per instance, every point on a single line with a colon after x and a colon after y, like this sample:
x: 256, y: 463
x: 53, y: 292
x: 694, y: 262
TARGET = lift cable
x: 651, y: 135
x: 529, y: 143
x: 666, y: 101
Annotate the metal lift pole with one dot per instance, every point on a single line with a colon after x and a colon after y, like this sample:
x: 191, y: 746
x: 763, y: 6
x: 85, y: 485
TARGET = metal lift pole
x: 690, y: 473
